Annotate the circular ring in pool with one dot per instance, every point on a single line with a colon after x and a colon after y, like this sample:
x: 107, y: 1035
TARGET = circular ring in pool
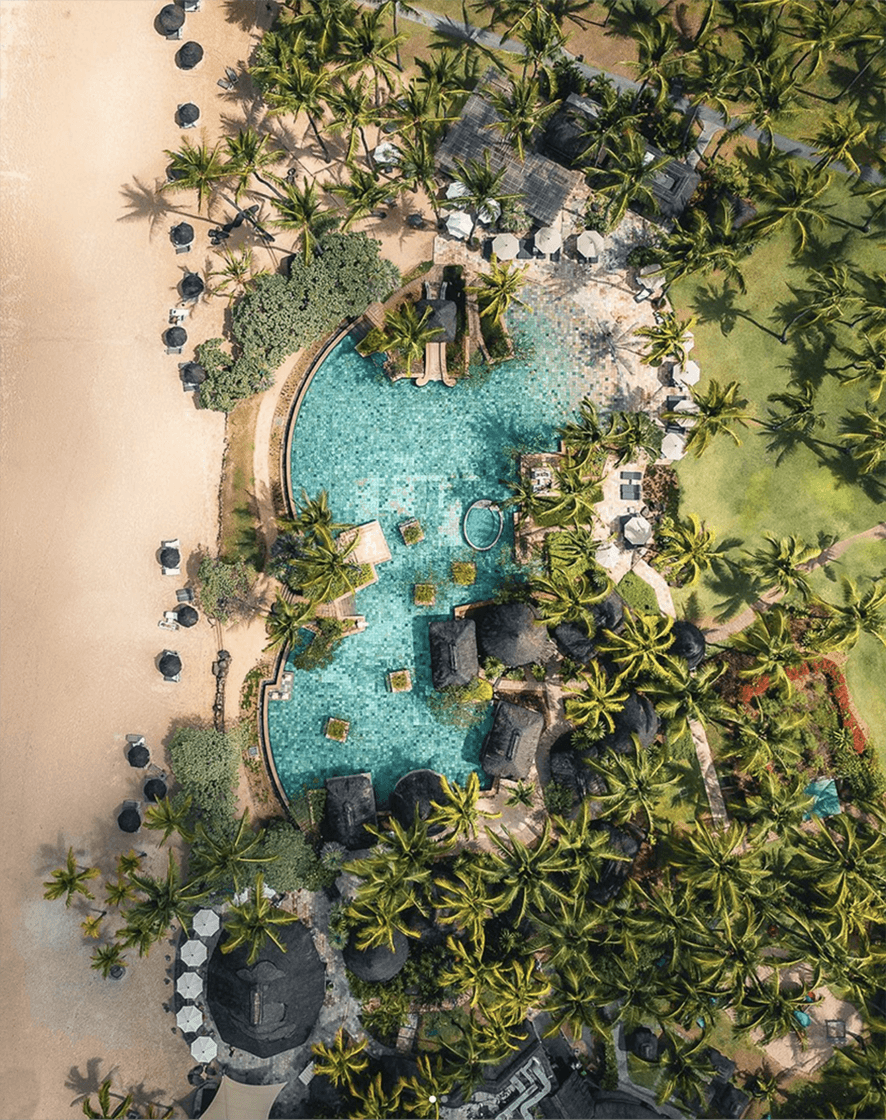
x: 492, y: 516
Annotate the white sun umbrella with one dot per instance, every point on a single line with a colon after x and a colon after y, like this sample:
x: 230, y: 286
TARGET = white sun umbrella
x: 189, y: 985
x: 637, y: 530
x: 189, y: 1019
x: 590, y: 243
x: 193, y: 952
x: 457, y: 190
x: 548, y: 240
x: 608, y: 554
x: 505, y: 246
x: 459, y: 225
x: 489, y: 213
x: 204, y: 1048
x: 688, y: 373
x: 673, y: 446
x: 206, y: 923
x: 688, y: 341
x: 387, y: 154
x: 688, y: 408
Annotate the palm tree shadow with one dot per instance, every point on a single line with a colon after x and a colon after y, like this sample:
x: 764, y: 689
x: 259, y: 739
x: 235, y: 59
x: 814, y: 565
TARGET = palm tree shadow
x: 249, y: 15
x: 85, y: 1084
x: 735, y: 588
x: 718, y: 305
x: 151, y: 205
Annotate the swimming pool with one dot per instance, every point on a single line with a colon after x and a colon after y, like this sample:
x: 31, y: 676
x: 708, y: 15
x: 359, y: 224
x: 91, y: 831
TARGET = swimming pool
x: 389, y: 451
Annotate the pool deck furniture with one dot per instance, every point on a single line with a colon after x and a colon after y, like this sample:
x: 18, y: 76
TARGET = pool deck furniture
x: 372, y: 546
x: 184, y: 595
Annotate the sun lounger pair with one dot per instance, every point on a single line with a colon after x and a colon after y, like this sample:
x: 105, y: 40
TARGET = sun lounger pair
x: 629, y: 493
x: 184, y: 595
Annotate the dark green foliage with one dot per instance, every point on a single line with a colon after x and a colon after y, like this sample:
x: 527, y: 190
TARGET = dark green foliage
x: 558, y: 798
x: 281, y: 315
x: 609, y: 1079
x: 296, y: 865
x: 320, y: 651
x: 638, y: 594
x: 224, y: 588
x: 461, y: 706
x: 205, y: 764
x: 866, y: 781
x: 228, y: 379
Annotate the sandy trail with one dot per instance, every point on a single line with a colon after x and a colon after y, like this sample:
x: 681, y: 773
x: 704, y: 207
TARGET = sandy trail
x: 103, y: 455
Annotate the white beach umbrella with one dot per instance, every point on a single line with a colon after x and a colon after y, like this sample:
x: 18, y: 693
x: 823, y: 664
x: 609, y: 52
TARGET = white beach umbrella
x: 193, y: 952
x: 489, y: 213
x: 688, y: 373
x: 505, y: 246
x: 688, y: 408
x: 607, y: 555
x: 206, y: 923
x: 189, y: 1019
x: 189, y: 985
x: 590, y: 243
x: 387, y: 154
x: 548, y: 240
x: 459, y: 225
x: 457, y: 190
x: 673, y: 446
x: 637, y: 530
x: 688, y: 341
x: 204, y: 1048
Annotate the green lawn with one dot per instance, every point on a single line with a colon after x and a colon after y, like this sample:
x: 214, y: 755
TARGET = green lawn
x: 741, y: 492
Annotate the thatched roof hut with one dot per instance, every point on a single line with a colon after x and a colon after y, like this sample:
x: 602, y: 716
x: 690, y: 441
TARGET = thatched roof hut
x: 380, y: 963
x: 644, y: 1043
x: 637, y: 717
x: 170, y: 557
x: 176, y: 337
x: 271, y: 1005
x: 614, y: 872
x: 416, y: 790
x: 689, y: 643
x: 573, y: 642
x: 453, y: 644
x: 189, y: 55
x: 170, y: 664
x: 186, y: 616
x: 182, y: 234
x: 192, y: 285
x: 609, y: 614
x: 350, y: 806
x: 509, y: 748
x: 511, y: 633
x: 442, y: 318
x: 138, y: 756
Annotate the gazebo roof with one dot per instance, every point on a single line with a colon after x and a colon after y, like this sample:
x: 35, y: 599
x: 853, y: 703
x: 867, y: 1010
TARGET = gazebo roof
x: 418, y: 788
x: 271, y: 1005
x: 573, y: 642
x: 453, y: 643
x: 509, y: 748
x: 380, y: 963
x: 510, y: 633
x: 442, y: 317
x: 543, y: 186
x: 637, y: 717
x: 689, y: 643
x: 350, y: 805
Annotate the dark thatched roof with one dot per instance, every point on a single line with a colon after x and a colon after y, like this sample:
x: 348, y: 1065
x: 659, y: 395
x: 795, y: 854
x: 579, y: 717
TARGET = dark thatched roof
x: 442, y: 318
x: 138, y: 755
x: 192, y: 285
x: 129, y: 820
x: 193, y: 373
x: 189, y: 55
x: 509, y: 748
x: 453, y: 651
x: 416, y: 790
x: 568, y: 768
x: 176, y: 336
x: 187, y: 616
x: 689, y: 643
x: 609, y: 614
x: 155, y: 789
x: 189, y: 113
x: 350, y: 805
x: 614, y: 872
x: 380, y: 963
x: 510, y: 633
x: 170, y: 557
x: 171, y: 17
x: 271, y: 1005
x: 573, y: 642
x: 637, y: 717
x: 543, y: 186
x: 182, y: 234
x: 170, y: 664
x: 730, y: 1101
x: 644, y: 1043
x: 723, y: 1067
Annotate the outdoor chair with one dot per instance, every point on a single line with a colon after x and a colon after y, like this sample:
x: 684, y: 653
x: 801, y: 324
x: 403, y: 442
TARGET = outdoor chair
x: 166, y: 625
x: 225, y: 84
x: 173, y: 35
x: 174, y: 349
x: 182, y: 249
x: 176, y: 314
x: 191, y: 5
x: 184, y: 595
x: 231, y: 75
x: 136, y: 740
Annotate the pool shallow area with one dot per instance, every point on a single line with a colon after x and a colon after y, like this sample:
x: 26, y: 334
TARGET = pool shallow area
x: 390, y: 451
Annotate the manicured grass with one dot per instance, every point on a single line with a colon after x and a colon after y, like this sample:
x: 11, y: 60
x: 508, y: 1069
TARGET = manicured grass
x: 638, y: 594
x: 865, y: 673
x: 239, y: 515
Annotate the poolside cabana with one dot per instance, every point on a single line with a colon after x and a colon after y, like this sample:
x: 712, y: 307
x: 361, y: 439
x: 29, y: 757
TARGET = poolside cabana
x: 189, y: 55
x: 673, y: 446
x: 511, y: 633
x: 379, y: 963
x: 272, y: 1004
x: 509, y: 748
x: 688, y: 643
x: 548, y: 240
x: 454, y: 659
x: 688, y: 373
x: 350, y: 806
x: 414, y: 792
x: 191, y: 286
x: 590, y: 244
x: 459, y: 225
x: 573, y: 642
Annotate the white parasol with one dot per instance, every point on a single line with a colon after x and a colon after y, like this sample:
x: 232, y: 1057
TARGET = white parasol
x: 637, y: 530
x: 459, y: 225
x: 548, y: 240
x: 193, y: 952
x: 505, y: 246
x: 204, y: 1048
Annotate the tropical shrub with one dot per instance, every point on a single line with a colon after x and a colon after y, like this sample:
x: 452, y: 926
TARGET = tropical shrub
x: 205, y: 763
x: 558, y: 798
x: 224, y: 588
x: 463, y: 706
x: 295, y: 865
x: 320, y: 650
x: 229, y: 379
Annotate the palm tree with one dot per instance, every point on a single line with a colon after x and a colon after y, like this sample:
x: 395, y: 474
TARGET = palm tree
x: 847, y: 859
x: 625, y: 179
x: 643, y: 646
x: 286, y: 621
x: 70, y: 880
x: 686, y: 548
x: 92, y: 927
x: 418, y: 168
x: 656, y: 41
x: 300, y: 88
x: 572, y: 933
x: 568, y: 1004
x: 362, y: 194
x: 636, y: 784
x: 772, y: 1008
x: 322, y: 570
x: 792, y: 197
x: 861, y: 612
x: 254, y: 922
x: 104, y: 1110
x: 685, y: 1070
x: 421, y: 110
x: 313, y: 517
x: 407, y: 334
x: 249, y: 153
x: 166, y: 900
x: 128, y: 862
x: 542, y: 40
x: 197, y: 168
x: 427, y: 1088
x: 522, y: 794
x: 635, y: 433
x: 768, y: 735
x: 523, y: 875
x: 824, y: 300
x: 565, y: 597
x: 863, y: 1074
x: 667, y: 339
x: 106, y: 957
x: 520, y: 112
x: 599, y: 700
x: 364, y: 43
x: 772, y: 92
x: 238, y: 272
x: 864, y: 435
x: 467, y: 971
x: 221, y: 859
x: 837, y: 137
x: 870, y: 364
x: 701, y: 245
x: 171, y: 815
x: 460, y: 812
x: 118, y: 891
x: 340, y: 1061
x: 682, y: 696
x: 353, y: 112
x: 379, y: 919
x: 777, y: 564
x: 723, y: 866
x: 376, y: 1102
x: 819, y: 34
x: 300, y: 209
x: 780, y: 804
x: 515, y: 988
x: 571, y: 553
x: 662, y: 916
x: 799, y: 420
x: 719, y: 407
x: 586, y: 438
x: 464, y: 902
x: 769, y: 642
x: 483, y: 188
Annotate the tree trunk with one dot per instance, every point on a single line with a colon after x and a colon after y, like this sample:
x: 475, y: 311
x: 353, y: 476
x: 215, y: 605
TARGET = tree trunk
x: 319, y: 137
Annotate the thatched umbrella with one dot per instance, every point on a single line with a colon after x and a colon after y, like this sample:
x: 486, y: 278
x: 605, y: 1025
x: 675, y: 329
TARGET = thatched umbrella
x: 155, y: 789
x: 192, y: 285
x: 129, y: 820
x: 637, y: 530
x: 590, y: 244
x: 673, y: 446
x: 510, y: 633
x: 379, y: 963
x: 171, y: 18
x: 176, y: 337
x: 459, y: 225
x: 548, y: 240
x: 139, y: 756
x: 188, y: 113
x: 170, y: 557
x: 170, y: 664
x: 186, y: 616
x: 182, y: 234
x: 193, y: 373
x: 189, y: 55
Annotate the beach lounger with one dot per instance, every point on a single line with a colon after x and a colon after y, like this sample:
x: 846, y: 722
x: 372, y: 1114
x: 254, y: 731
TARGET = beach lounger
x: 629, y: 493
x: 166, y: 625
x: 191, y: 5
x: 184, y: 595
x: 174, y: 349
x: 225, y: 84
x: 176, y: 314
x: 183, y: 248
x: 231, y: 75
x: 136, y: 740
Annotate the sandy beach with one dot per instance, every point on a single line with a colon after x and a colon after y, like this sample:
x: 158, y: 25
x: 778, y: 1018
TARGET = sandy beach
x: 103, y: 455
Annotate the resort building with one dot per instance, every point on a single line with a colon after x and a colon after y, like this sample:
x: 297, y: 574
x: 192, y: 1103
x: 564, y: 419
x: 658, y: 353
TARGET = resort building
x: 350, y: 806
x: 510, y: 746
x: 454, y: 658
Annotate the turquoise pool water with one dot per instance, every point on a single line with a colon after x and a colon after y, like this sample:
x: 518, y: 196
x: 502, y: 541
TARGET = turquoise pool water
x: 390, y: 451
